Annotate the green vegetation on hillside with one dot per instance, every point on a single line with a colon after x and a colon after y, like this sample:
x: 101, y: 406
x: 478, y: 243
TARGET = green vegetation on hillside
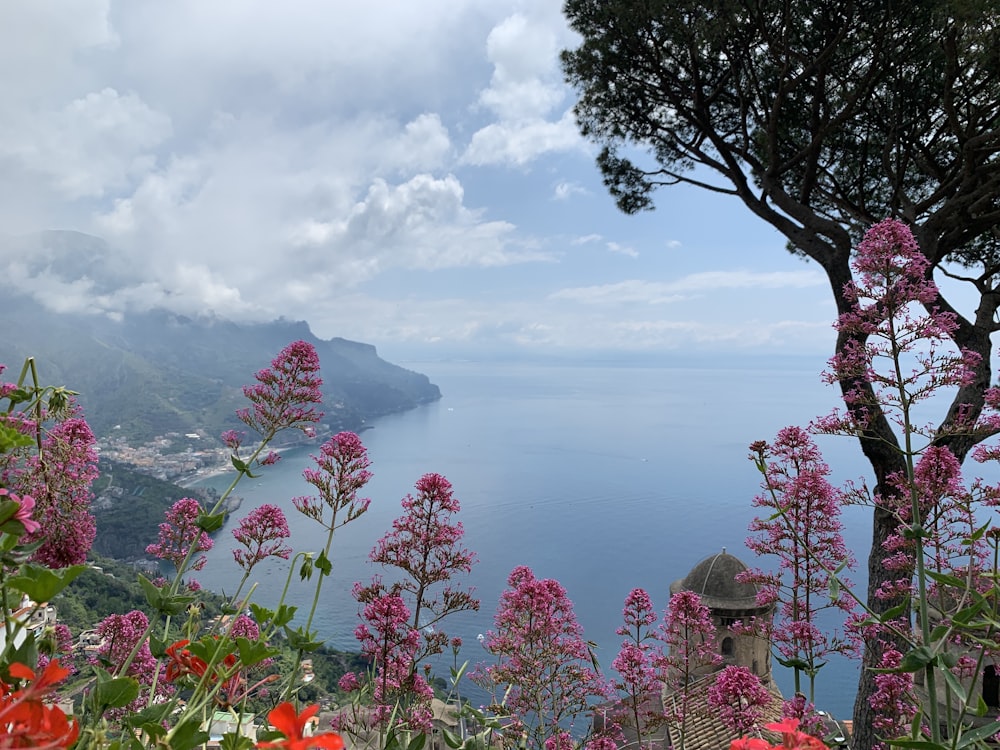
x: 129, y: 507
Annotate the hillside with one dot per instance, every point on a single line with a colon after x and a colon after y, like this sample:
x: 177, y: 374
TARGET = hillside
x: 157, y: 372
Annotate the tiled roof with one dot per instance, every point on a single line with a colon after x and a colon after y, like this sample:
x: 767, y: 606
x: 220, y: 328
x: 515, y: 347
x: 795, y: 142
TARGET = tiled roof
x: 704, y: 730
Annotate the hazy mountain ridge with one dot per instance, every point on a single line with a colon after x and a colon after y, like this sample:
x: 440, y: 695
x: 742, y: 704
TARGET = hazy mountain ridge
x: 156, y: 372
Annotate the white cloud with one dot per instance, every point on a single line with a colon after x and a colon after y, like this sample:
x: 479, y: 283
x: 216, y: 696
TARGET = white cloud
x: 566, y: 190
x: 526, y: 88
x: 423, y: 144
x: 96, y: 143
x: 520, y: 142
x: 615, y: 247
x: 654, y: 293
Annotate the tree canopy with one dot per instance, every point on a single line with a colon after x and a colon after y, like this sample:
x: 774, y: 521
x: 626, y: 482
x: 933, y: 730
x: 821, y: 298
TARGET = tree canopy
x: 823, y: 118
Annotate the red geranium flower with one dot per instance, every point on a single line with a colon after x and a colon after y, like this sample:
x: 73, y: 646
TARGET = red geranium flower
x: 27, y: 720
x: 292, y: 725
x: 181, y: 662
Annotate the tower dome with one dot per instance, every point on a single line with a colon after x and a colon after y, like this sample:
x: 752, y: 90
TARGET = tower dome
x: 714, y: 580
x: 733, y: 605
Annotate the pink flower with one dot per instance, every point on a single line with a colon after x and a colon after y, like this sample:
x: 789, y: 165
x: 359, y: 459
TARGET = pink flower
x: 285, y: 394
x: 180, y: 536
x: 739, y: 697
x: 26, y: 504
x: 261, y: 532
x: 59, y: 479
x: 342, y: 472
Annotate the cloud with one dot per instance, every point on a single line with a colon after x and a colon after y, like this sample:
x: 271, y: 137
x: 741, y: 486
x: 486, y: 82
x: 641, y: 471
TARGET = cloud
x: 631, y: 252
x: 526, y: 88
x: 95, y: 144
x: 655, y: 293
x: 565, y: 190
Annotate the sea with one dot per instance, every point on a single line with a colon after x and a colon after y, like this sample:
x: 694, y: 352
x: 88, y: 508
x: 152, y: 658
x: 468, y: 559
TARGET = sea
x: 603, y: 476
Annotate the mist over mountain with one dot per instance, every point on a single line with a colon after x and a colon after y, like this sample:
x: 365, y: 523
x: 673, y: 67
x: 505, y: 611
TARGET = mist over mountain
x: 143, y: 370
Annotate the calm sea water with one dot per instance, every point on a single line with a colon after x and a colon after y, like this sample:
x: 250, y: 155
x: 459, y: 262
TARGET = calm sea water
x: 602, y: 477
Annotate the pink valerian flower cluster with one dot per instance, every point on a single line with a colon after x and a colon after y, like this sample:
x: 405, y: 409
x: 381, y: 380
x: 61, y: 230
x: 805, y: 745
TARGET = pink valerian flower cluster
x: 285, y: 394
x: 690, y: 634
x: 801, y: 527
x: 641, y: 667
x: 342, y: 472
x: 390, y: 643
x: 425, y: 545
x: 57, y: 642
x: 947, y: 511
x: 180, y: 536
x: 894, y: 702
x: 59, y: 479
x: 541, y: 658
x: 893, y: 281
x: 119, y: 635
x: 261, y: 533
x: 739, y: 697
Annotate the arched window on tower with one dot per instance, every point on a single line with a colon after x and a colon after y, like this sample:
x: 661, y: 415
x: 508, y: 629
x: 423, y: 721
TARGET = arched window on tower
x: 991, y: 686
x: 727, y: 646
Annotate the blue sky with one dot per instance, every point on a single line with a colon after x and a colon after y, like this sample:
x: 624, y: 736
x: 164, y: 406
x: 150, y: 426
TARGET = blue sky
x: 405, y: 174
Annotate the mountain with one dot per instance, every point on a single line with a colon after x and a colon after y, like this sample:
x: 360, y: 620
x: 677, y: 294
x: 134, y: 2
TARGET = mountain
x: 146, y: 374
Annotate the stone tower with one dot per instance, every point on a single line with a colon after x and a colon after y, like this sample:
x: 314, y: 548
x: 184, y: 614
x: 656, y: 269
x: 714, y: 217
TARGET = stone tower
x: 731, y: 603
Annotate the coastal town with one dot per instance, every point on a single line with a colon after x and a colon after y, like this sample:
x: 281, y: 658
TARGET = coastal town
x: 173, y: 457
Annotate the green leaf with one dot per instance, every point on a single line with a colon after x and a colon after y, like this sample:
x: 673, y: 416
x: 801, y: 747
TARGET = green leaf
x: 298, y: 640
x: 187, y: 736
x: 209, y: 523
x: 794, y: 663
x: 235, y: 741
x: 157, y: 646
x: 946, y: 579
x: 954, y: 685
x: 939, y: 632
x: 834, y: 588
x: 392, y: 742
x: 41, y: 584
x: 116, y: 692
x: 978, y: 735
x: 323, y: 563
x: 7, y: 510
x: 254, y: 652
x: 162, y: 601
x: 11, y: 439
x: 451, y: 739
x: 153, y: 715
x: 417, y: 742
x: 916, y: 659
x: 892, y: 613
x: 280, y: 617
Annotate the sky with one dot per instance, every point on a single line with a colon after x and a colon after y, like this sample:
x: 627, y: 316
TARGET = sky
x: 408, y: 174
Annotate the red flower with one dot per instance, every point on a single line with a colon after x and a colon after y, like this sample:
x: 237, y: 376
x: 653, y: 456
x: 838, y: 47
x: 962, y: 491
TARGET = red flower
x: 26, y: 719
x: 181, y: 662
x: 285, y: 720
x: 791, y: 738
